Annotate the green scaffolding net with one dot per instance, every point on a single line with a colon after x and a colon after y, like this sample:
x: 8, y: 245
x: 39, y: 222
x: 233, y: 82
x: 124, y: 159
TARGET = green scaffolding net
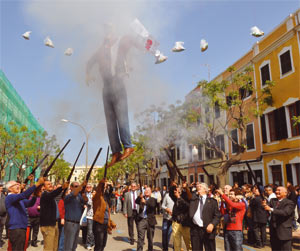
x: 13, y: 108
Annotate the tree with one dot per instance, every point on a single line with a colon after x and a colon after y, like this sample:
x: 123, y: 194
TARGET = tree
x: 197, y: 122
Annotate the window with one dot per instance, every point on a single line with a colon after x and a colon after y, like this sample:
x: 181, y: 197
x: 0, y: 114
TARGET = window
x: 250, y: 137
x: 191, y: 178
x: 294, y: 110
x: 220, y: 142
x: 277, y: 124
x: 289, y: 173
x: 276, y: 174
x: 263, y: 129
x: 234, y: 143
x: 178, y: 152
x: 183, y: 151
x: 265, y: 74
x: 229, y: 100
x: 246, y: 91
x: 209, y: 154
x: 173, y: 155
x: 285, y: 62
x: 217, y: 110
x: 201, y: 178
x: 190, y: 153
x: 200, y: 152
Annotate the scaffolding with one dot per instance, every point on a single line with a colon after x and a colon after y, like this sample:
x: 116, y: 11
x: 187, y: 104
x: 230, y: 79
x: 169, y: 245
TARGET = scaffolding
x: 13, y: 108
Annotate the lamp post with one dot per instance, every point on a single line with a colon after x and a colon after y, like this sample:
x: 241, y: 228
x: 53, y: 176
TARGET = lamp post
x: 87, y: 135
x: 195, y: 153
x: 23, y: 172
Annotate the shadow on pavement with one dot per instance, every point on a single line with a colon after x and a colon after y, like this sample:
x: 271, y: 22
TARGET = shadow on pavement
x: 121, y: 238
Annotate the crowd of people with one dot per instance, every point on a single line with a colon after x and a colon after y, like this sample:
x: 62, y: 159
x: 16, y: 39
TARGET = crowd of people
x: 194, y: 213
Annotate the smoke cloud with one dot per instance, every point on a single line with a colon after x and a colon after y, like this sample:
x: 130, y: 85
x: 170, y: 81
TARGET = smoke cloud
x: 79, y: 25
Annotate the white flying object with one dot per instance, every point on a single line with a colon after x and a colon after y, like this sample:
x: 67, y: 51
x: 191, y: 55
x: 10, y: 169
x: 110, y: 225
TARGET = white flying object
x: 48, y: 42
x: 203, y: 45
x: 256, y: 32
x: 160, y: 58
x: 26, y: 35
x: 69, y: 52
x: 178, y: 47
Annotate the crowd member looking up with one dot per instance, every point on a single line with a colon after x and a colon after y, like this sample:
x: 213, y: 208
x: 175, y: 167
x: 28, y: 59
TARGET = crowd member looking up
x: 269, y: 192
x: 157, y: 195
x: 131, y: 209
x: 16, y: 204
x: 205, y: 215
x: 260, y: 219
x: 49, y: 215
x: 233, y: 235
x: 74, y: 203
x: 167, y: 207
x: 146, y: 219
x: 181, y: 222
x: 34, y: 217
x: 89, y: 217
x: 101, y: 217
x: 282, y: 214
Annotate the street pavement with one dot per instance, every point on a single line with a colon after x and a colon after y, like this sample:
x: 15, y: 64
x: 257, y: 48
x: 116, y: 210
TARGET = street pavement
x: 118, y: 241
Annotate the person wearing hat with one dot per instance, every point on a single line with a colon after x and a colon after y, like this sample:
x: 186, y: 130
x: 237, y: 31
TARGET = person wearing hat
x: 16, y: 204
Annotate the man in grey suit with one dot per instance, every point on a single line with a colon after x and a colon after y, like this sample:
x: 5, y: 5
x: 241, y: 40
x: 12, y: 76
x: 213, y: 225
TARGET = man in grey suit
x: 130, y: 210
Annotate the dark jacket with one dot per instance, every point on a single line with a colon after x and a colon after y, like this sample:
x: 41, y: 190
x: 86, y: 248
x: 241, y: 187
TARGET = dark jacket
x: 150, y: 210
x: 210, y: 213
x: 180, y: 208
x: 282, y: 218
x: 49, y: 207
x: 259, y: 214
x: 2, y: 205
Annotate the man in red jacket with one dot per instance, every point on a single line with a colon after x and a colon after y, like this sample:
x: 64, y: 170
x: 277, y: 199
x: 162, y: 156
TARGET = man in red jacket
x: 233, y: 237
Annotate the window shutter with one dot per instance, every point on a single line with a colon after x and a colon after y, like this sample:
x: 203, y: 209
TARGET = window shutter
x: 289, y: 175
x: 298, y: 108
x: 280, y: 126
x: 263, y: 129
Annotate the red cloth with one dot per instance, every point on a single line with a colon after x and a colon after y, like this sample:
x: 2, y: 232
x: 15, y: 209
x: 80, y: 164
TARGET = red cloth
x: 239, y: 208
x: 9, y: 247
x: 61, y: 208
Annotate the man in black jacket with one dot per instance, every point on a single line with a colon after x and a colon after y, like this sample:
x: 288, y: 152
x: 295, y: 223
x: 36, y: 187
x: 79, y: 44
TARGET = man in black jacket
x: 49, y: 215
x: 205, y: 215
x: 260, y: 218
x: 282, y: 214
x: 181, y: 222
x: 146, y: 219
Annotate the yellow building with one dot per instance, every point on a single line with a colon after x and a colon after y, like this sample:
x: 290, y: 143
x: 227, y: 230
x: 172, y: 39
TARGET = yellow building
x: 276, y: 58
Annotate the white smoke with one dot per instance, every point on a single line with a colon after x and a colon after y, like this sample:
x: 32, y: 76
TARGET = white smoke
x: 79, y: 25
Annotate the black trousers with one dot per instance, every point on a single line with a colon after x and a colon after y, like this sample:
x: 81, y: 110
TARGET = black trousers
x: 17, y: 238
x: 144, y: 226
x: 260, y: 233
x: 130, y: 221
x: 100, y: 235
x: 279, y: 245
x: 200, y: 238
x: 34, y: 229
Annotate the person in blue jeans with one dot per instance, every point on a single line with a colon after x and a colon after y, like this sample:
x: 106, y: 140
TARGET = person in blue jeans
x: 114, y: 92
x: 233, y: 236
x: 167, y: 207
x: 74, y: 203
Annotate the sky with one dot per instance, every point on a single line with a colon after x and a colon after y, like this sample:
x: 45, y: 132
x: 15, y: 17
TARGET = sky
x: 53, y: 85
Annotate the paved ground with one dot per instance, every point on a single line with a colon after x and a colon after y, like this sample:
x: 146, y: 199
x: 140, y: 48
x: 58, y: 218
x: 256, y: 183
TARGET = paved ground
x: 118, y: 241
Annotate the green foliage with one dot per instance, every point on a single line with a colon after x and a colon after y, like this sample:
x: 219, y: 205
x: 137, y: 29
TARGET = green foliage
x: 23, y: 148
x: 127, y: 166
